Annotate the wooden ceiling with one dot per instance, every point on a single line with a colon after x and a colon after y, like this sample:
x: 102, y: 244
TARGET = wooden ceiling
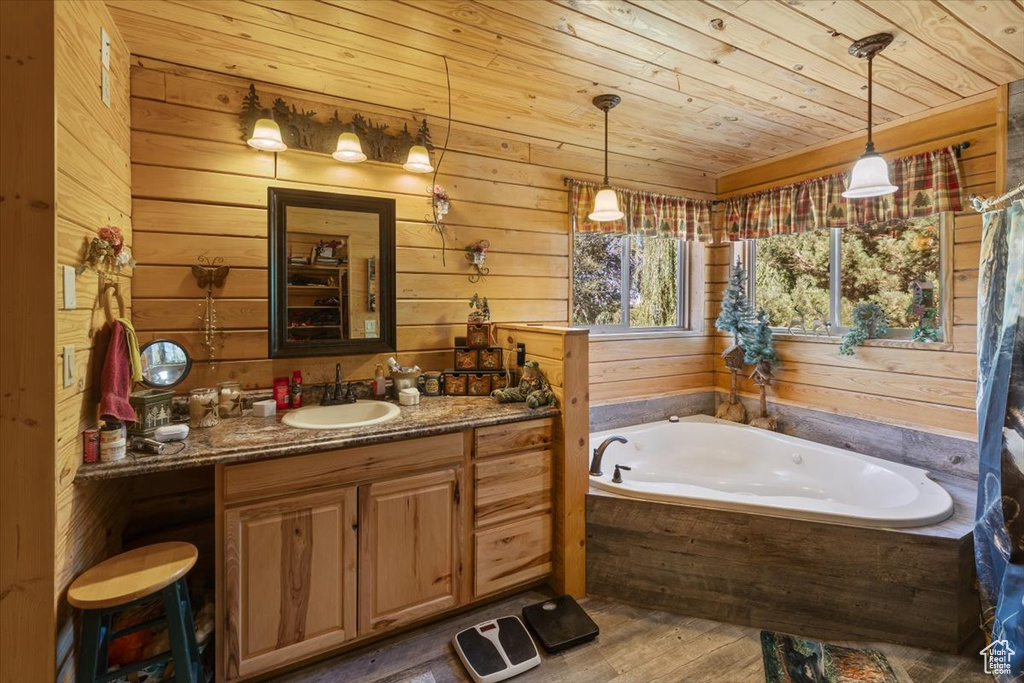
x: 707, y: 85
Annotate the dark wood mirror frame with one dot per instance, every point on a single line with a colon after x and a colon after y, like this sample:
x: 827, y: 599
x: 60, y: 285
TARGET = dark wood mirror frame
x: 278, y: 200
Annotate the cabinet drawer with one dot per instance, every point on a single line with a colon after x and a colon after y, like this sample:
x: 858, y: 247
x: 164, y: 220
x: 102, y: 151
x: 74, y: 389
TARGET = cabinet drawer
x: 512, y: 486
x: 258, y: 480
x: 512, y: 554
x: 513, y: 436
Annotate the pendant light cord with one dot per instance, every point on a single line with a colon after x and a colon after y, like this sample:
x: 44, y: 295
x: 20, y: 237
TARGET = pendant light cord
x: 606, y: 145
x: 871, y: 145
x: 440, y: 158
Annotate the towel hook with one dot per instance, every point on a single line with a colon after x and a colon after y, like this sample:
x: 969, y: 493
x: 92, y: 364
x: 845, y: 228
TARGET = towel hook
x: 107, y: 303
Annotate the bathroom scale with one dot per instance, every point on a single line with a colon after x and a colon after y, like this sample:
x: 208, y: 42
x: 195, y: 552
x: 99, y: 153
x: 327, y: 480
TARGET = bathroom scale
x: 495, y: 650
x: 560, y: 623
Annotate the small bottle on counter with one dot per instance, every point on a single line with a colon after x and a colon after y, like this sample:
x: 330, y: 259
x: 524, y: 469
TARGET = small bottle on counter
x: 202, y: 408
x: 112, y: 442
x: 229, y: 399
x: 281, y: 392
x: 296, y: 393
x: 380, y: 384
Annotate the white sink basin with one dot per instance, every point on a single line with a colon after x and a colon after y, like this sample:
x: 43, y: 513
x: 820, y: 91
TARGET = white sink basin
x: 358, y: 414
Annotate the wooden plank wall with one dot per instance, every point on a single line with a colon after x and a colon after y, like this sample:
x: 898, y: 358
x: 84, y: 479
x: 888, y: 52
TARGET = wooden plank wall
x: 93, y: 190
x: 923, y: 386
x: 27, y: 372
x: 199, y: 190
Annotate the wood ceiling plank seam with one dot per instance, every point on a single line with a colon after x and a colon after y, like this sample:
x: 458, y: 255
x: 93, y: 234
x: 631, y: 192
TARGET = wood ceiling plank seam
x: 1006, y: 31
x: 686, y: 67
x: 844, y: 73
x: 779, y: 132
x: 928, y: 22
x: 852, y: 21
x: 674, y: 27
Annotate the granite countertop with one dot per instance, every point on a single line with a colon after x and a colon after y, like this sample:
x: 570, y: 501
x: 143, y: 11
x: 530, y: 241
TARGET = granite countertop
x: 247, y: 439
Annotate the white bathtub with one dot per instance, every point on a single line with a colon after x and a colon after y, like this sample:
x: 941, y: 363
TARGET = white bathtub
x: 717, y: 464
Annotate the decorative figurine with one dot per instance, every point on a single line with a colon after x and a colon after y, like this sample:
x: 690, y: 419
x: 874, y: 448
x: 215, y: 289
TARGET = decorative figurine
x: 762, y: 355
x: 798, y: 321
x: 734, y: 318
x: 108, y: 250
x: 821, y: 322
x: 533, y: 388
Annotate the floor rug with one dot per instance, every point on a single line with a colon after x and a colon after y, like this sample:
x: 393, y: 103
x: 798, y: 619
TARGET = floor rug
x: 791, y: 659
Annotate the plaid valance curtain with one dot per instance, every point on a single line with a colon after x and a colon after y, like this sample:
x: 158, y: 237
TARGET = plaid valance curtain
x: 928, y: 183
x: 645, y: 213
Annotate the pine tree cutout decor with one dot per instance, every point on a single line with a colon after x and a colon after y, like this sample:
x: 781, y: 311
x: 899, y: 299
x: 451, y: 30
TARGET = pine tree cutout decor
x: 760, y: 352
x: 734, y: 318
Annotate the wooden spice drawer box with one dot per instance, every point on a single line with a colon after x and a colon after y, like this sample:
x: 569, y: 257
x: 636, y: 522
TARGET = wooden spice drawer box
x: 512, y: 486
x: 512, y: 554
x: 514, y: 436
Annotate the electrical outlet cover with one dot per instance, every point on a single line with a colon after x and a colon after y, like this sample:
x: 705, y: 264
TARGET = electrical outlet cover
x: 370, y: 328
x: 70, y: 297
x: 69, y: 365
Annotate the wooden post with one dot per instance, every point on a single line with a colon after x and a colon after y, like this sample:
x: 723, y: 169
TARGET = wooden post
x: 28, y: 377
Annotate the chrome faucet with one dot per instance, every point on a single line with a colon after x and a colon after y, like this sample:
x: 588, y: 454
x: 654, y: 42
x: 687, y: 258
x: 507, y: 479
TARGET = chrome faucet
x: 595, y: 464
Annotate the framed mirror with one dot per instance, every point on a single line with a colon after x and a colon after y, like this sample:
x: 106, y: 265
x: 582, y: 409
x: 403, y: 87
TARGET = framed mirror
x: 332, y: 274
x: 165, y: 363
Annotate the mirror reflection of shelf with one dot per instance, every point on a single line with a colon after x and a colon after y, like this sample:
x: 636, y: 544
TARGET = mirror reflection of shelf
x: 333, y: 269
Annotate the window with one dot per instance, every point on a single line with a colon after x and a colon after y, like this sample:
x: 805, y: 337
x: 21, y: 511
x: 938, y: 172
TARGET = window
x: 628, y: 282
x: 816, y: 275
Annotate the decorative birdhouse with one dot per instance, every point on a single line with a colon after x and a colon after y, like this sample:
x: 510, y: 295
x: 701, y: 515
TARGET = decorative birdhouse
x: 733, y: 357
x: 923, y: 292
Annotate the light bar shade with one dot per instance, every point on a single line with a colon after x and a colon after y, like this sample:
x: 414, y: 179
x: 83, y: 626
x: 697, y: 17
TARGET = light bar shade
x: 349, y: 150
x: 266, y: 135
x: 869, y: 178
x: 606, y: 206
x: 418, y: 161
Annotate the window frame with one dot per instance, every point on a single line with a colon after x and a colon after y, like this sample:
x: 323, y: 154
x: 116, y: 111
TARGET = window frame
x: 683, y: 303
x: 746, y: 251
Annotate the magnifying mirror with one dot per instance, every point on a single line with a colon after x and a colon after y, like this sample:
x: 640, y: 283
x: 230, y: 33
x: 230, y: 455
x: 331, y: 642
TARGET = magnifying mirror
x: 165, y: 363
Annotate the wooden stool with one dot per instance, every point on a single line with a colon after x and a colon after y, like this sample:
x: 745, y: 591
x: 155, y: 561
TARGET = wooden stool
x: 128, y: 579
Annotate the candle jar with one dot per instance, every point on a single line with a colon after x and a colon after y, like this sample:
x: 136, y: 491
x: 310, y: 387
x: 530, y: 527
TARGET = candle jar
x: 229, y: 399
x: 202, y: 408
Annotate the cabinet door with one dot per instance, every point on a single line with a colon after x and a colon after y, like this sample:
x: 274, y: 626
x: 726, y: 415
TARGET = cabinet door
x: 409, y: 548
x: 290, y: 579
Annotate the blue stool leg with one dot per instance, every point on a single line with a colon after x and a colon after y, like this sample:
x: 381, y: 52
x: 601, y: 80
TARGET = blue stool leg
x: 181, y: 631
x: 89, y: 648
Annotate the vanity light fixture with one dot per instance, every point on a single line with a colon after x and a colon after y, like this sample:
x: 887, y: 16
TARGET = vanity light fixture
x: 349, y: 150
x: 418, y: 161
x: 266, y: 136
x: 606, y: 203
x: 870, y: 175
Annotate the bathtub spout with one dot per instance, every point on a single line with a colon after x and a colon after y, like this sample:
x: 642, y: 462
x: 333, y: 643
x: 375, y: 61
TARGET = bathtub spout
x: 595, y: 464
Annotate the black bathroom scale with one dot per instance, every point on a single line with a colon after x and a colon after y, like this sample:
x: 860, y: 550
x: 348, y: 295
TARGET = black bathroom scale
x: 560, y: 623
x: 496, y: 650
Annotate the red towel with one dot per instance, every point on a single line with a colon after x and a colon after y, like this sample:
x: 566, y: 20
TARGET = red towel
x: 116, y: 380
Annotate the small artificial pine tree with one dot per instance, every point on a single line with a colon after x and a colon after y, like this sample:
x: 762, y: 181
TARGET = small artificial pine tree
x: 760, y: 352
x: 734, y: 318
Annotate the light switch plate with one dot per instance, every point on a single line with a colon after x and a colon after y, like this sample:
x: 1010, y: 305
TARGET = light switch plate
x: 69, y: 365
x: 70, y: 298
x: 105, y: 87
x: 105, y: 48
x: 370, y: 327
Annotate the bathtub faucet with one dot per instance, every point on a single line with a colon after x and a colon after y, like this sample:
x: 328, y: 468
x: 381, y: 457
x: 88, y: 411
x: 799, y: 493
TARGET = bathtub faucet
x: 595, y: 464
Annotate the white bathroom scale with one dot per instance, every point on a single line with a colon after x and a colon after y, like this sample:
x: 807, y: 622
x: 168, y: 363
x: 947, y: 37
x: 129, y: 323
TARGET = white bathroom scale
x: 496, y: 650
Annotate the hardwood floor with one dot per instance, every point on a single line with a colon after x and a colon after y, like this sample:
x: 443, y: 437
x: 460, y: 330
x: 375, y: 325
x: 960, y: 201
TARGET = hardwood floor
x: 636, y: 645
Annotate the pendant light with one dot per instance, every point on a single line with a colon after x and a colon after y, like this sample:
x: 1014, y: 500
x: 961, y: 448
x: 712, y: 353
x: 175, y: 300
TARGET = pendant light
x: 349, y: 150
x: 418, y: 161
x: 266, y: 135
x: 606, y: 203
x: 870, y: 175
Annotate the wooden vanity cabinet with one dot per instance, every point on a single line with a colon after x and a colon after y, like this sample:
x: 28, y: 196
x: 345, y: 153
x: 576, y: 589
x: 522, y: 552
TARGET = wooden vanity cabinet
x: 289, y: 573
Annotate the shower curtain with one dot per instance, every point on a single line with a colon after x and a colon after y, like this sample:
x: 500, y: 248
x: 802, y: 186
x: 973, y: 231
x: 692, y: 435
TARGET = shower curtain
x: 999, y: 521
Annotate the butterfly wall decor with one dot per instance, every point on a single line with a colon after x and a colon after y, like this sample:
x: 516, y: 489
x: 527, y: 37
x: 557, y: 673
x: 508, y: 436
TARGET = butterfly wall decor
x: 210, y: 273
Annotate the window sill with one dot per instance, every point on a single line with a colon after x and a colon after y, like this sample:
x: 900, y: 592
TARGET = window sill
x: 890, y: 342
x: 614, y: 335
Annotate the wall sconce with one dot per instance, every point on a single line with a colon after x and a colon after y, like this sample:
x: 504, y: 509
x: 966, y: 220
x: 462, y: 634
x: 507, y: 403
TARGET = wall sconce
x: 418, y: 161
x: 349, y: 150
x: 266, y: 136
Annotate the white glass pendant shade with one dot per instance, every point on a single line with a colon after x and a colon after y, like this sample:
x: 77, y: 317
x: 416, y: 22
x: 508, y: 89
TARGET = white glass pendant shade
x: 606, y: 206
x: 418, y: 161
x: 267, y: 136
x: 869, y: 178
x: 349, y: 150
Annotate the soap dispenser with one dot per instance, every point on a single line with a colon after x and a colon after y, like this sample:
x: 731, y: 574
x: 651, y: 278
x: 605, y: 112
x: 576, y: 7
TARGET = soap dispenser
x: 379, y: 383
